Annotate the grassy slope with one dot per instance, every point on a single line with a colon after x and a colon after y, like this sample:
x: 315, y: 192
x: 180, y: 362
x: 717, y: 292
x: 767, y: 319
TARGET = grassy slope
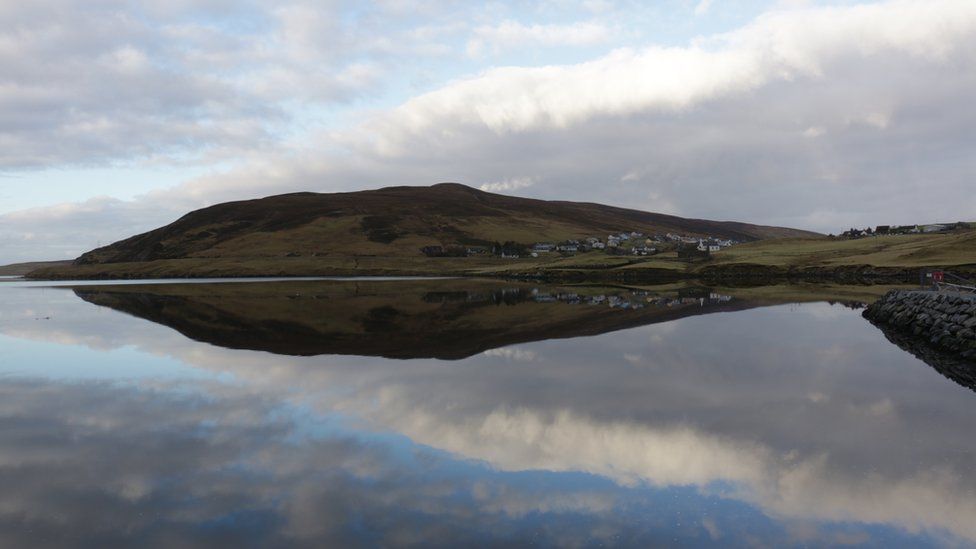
x: 20, y: 269
x: 394, y: 222
x: 956, y: 249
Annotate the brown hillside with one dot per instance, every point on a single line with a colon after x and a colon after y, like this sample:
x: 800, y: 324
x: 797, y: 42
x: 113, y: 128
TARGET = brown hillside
x: 395, y: 221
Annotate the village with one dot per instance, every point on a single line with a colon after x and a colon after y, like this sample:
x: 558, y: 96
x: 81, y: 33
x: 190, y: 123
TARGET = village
x: 632, y: 243
x: 885, y: 230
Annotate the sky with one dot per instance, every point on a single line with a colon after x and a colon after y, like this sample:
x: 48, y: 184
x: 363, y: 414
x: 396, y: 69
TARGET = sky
x: 119, y: 116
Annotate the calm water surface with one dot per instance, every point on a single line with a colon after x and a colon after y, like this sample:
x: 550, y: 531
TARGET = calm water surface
x: 449, y: 412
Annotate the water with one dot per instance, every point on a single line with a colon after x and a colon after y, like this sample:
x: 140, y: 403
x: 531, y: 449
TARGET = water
x: 456, y: 412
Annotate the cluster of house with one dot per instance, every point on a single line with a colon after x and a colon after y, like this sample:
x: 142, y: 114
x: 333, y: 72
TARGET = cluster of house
x: 882, y: 230
x: 633, y: 243
x: 635, y: 299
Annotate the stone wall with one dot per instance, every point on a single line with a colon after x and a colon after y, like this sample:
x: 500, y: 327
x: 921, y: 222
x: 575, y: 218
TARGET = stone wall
x: 946, y: 321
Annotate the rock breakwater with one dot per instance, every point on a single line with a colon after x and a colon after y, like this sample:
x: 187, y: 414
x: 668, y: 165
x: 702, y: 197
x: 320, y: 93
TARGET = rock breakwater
x: 946, y: 321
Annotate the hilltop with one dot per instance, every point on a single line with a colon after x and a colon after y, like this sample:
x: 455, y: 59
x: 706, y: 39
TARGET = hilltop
x: 315, y: 230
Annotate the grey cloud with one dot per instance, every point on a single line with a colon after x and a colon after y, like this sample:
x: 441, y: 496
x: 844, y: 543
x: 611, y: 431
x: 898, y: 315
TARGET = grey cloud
x: 107, y: 82
x: 59, y: 232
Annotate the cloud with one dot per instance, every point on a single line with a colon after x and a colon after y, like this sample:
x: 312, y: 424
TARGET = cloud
x: 105, y: 83
x: 511, y: 184
x: 813, y: 117
x: 58, y: 232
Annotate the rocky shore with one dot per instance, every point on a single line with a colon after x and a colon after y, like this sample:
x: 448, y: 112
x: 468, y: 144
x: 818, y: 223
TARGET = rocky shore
x: 945, y: 321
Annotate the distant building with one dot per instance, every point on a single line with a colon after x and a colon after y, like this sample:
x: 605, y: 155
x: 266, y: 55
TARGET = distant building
x: 708, y: 246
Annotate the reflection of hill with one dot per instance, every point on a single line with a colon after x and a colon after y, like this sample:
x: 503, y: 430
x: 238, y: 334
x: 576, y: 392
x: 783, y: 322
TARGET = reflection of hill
x: 447, y: 319
x: 954, y: 367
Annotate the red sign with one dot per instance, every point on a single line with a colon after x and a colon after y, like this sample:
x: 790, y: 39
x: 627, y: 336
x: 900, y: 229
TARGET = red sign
x: 937, y: 276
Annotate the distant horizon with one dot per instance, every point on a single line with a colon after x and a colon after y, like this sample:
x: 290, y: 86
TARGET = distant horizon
x: 814, y: 115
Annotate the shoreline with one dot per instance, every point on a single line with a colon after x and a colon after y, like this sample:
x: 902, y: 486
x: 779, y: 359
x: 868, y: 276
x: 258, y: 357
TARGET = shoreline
x: 723, y: 274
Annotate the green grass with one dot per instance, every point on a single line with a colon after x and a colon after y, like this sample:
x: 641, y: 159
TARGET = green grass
x: 20, y: 269
x: 883, y: 251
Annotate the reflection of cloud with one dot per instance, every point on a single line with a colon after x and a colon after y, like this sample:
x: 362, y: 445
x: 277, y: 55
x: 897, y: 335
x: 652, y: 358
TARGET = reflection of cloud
x: 792, y: 429
x: 806, y: 488
x: 512, y: 354
x: 170, y: 466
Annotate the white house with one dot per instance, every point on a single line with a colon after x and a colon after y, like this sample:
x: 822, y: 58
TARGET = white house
x: 708, y: 246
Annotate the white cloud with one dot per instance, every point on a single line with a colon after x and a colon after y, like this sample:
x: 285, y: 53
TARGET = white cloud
x: 510, y: 184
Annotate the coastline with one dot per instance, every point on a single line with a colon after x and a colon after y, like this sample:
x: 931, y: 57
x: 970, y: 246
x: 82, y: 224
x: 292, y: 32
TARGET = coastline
x: 718, y: 274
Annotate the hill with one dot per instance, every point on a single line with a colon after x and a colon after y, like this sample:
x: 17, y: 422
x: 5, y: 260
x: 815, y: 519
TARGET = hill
x: 394, y: 222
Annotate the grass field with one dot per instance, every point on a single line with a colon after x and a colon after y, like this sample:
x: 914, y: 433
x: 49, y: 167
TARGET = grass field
x: 20, y: 269
x: 884, y: 251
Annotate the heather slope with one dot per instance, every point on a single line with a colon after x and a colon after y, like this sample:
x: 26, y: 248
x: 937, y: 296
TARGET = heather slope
x: 394, y: 222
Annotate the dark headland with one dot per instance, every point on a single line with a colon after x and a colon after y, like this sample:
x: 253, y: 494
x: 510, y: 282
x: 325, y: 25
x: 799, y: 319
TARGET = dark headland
x: 452, y: 229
